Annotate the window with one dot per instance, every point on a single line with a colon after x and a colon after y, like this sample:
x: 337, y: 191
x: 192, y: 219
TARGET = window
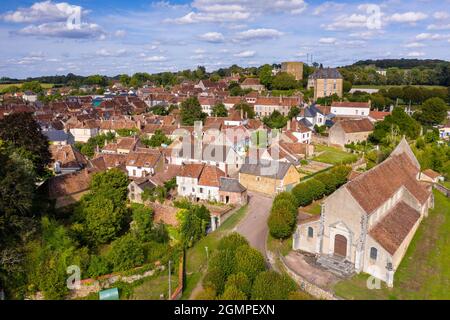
x: 310, y: 232
x: 258, y: 178
x: 373, y: 253
x: 201, y: 190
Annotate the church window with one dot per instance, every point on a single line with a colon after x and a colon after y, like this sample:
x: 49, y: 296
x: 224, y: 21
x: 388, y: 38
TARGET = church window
x: 310, y: 232
x: 373, y: 253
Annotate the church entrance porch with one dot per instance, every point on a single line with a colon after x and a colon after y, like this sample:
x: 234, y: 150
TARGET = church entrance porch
x: 338, y: 265
x: 340, y: 246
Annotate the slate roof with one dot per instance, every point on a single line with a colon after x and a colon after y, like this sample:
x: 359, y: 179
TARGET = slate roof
x: 231, y: 185
x: 269, y: 169
x: 326, y: 73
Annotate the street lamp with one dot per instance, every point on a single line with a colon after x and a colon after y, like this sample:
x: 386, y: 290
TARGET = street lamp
x: 207, y: 255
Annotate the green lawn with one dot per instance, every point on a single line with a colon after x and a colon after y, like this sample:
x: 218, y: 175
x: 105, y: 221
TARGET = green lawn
x: 315, y: 208
x: 196, y: 257
x: 333, y: 155
x: 153, y: 287
x: 446, y: 184
x: 282, y: 246
x: 43, y: 85
x: 424, y: 273
x: 389, y: 86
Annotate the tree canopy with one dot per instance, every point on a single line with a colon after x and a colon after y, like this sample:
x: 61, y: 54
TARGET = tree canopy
x: 191, y: 111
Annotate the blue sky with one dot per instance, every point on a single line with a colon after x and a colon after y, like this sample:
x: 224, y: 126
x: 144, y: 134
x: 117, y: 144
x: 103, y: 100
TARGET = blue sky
x: 114, y: 37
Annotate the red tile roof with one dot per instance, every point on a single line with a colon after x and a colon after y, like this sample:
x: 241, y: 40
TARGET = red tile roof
x: 392, y: 230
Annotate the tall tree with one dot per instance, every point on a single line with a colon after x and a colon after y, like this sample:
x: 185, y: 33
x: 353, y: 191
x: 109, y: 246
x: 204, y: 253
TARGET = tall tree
x: 432, y: 112
x: 191, y: 111
x: 219, y: 110
x: 23, y: 133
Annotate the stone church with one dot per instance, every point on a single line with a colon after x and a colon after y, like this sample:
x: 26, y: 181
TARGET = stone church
x: 368, y: 224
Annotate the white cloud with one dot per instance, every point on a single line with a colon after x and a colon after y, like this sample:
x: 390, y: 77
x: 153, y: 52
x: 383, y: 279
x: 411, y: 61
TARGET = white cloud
x: 237, y: 10
x: 107, y: 53
x: 347, y: 22
x: 155, y: 59
x: 439, y: 27
x: 254, y: 34
x: 431, y: 36
x: 327, y: 40
x: 327, y: 7
x: 120, y: 33
x: 40, y: 12
x: 199, y: 51
x: 441, y: 15
x: 407, y: 17
x: 245, y: 54
x: 416, y: 54
x: 414, y: 45
x: 60, y: 30
x: 214, y: 37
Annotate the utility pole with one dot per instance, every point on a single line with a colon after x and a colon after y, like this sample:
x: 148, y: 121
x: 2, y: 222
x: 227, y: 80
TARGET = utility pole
x: 170, y: 281
x: 207, y: 255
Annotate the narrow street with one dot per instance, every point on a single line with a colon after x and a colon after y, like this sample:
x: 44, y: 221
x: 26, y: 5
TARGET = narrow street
x: 254, y: 225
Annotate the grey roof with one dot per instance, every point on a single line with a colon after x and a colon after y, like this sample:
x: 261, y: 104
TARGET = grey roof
x: 231, y: 185
x: 56, y: 135
x: 327, y: 73
x: 269, y: 169
x: 306, y: 122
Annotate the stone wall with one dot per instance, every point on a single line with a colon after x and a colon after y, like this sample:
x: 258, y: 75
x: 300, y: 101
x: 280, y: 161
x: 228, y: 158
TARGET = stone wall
x: 307, y: 286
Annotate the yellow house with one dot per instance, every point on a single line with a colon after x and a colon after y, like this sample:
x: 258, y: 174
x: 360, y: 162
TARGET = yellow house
x: 269, y: 177
x: 326, y: 82
x: 293, y: 68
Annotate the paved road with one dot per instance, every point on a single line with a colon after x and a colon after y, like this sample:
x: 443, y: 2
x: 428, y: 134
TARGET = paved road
x: 254, y: 225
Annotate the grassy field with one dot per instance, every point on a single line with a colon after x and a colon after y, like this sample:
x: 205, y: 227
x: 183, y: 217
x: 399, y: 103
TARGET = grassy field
x: 388, y: 86
x: 315, y: 208
x: 282, y: 246
x: 334, y: 156
x: 152, y: 288
x: 196, y: 257
x: 424, y: 273
x: 44, y: 85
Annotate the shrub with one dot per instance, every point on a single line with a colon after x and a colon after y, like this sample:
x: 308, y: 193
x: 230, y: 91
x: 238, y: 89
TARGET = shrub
x: 249, y: 261
x: 215, y: 280
x: 232, y: 242
x: 282, y: 219
x: 207, y: 294
x: 286, y: 196
x: 233, y: 293
x: 126, y: 253
x: 241, y: 282
x: 99, y: 266
x: 271, y: 285
x: 316, y: 188
x: 302, y: 194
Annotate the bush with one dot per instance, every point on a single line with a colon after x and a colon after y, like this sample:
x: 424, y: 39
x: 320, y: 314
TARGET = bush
x: 99, y: 266
x: 285, y: 196
x: 233, y: 293
x: 232, y: 242
x: 282, y: 219
x: 271, y: 285
x: 126, y: 253
x: 207, y: 294
x: 316, y: 188
x: 154, y: 251
x: 302, y: 194
x: 241, y: 282
x: 249, y: 261
x: 215, y: 280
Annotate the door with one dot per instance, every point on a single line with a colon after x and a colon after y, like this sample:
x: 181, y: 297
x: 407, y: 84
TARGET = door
x: 340, y: 246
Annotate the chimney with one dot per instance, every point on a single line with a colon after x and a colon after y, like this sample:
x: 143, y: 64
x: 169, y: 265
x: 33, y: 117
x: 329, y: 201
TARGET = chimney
x: 242, y: 113
x: 289, y: 125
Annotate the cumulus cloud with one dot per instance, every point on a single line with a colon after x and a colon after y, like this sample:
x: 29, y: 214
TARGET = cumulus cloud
x: 213, y: 37
x: 439, y: 27
x: 120, y: 33
x: 416, y: 54
x: 51, y: 19
x: 237, y: 10
x: 155, y: 59
x: 41, y: 12
x: 353, y: 21
x: 414, y: 45
x: 327, y: 7
x: 441, y: 15
x: 431, y: 36
x: 61, y: 30
x: 245, y: 54
x: 327, y: 40
x: 258, y: 34
x: 107, y: 53
x: 407, y: 17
